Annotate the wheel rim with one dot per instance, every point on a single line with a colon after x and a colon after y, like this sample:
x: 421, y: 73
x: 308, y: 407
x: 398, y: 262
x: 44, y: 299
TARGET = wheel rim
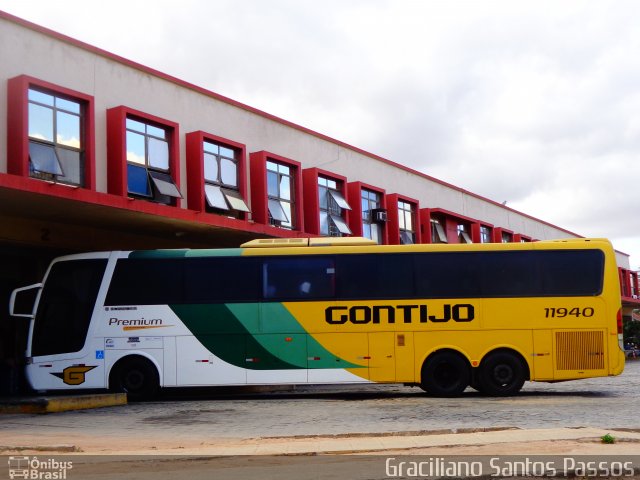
x: 446, y: 375
x: 503, y: 374
x: 133, y: 380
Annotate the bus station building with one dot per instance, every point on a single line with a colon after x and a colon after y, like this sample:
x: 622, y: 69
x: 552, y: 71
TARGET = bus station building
x: 100, y: 153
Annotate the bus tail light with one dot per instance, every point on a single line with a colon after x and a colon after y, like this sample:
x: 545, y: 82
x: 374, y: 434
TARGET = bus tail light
x: 620, y: 321
x: 620, y: 330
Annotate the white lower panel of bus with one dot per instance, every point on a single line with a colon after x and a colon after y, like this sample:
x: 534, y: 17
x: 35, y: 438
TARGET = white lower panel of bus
x: 195, y: 365
x: 83, y: 372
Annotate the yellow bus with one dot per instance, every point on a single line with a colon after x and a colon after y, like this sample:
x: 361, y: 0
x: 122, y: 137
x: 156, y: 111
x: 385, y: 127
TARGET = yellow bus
x: 328, y: 310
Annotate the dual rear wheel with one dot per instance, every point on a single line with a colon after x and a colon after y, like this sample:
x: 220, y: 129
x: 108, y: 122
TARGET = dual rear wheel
x: 447, y: 374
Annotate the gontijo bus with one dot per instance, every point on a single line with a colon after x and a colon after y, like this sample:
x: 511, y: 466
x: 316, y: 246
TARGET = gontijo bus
x: 322, y: 310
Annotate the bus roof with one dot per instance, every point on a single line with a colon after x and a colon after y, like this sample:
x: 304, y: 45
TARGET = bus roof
x: 340, y: 245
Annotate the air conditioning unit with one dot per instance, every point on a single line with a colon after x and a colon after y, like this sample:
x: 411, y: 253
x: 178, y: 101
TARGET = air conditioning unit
x: 378, y: 215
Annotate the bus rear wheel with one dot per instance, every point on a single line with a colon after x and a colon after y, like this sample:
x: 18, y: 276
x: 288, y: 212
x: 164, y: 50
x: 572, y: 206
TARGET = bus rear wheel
x: 135, y: 376
x: 445, y: 374
x: 501, y: 374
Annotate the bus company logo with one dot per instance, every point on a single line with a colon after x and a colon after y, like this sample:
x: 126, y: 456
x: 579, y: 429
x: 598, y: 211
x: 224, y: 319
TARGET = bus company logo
x: 137, y: 323
x: 74, y: 375
x: 363, y: 314
x: 34, y: 468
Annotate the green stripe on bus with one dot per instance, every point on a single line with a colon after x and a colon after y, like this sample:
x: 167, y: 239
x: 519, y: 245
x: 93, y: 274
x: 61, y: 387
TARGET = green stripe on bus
x: 282, y: 343
x: 186, y: 253
x: 216, y: 252
x: 224, y: 335
x: 275, y: 319
x: 158, y: 254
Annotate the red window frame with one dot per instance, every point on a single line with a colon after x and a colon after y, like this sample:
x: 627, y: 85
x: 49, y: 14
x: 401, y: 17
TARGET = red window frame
x: 450, y: 222
x: 520, y: 238
x: 196, y: 199
x: 312, y: 200
x: 259, y: 192
x: 393, y: 223
x: 354, y: 196
x: 497, y: 234
x: 476, y: 232
x: 117, y: 148
x: 18, y: 125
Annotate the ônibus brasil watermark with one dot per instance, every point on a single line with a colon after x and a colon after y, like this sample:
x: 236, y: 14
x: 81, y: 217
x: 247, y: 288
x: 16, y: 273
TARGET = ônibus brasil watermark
x: 35, y: 468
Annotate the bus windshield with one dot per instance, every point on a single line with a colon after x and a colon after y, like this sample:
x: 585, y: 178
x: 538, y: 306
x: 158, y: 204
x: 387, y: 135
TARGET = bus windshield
x: 66, y: 305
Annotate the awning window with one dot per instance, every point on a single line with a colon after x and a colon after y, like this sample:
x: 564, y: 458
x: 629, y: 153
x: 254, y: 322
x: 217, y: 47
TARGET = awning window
x: 339, y: 199
x: 44, y: 158
x: 277, y: 211
x: 224, y: 199
x: 165, y: 184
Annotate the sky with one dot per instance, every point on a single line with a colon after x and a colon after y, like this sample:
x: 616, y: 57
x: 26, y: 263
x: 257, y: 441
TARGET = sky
x: 536, y: 103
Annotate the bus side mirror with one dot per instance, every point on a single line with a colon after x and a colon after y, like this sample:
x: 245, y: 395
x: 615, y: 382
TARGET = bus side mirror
x: 23, y: 301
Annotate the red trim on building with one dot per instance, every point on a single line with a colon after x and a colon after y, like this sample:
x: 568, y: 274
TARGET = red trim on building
x: 18, y: 125
x: 195, y: 168
x: 81, y: 195
x: 393, y: 217
x: 117, y: 147
x: 424, y: 217
x: 354, y: 197
x: 497, y: 234
x: 312, y: 200
x: 449, y: 222
x: 476, y: 231
x: 629, y: 286
x: 520, y: 238
x: 259, y: 192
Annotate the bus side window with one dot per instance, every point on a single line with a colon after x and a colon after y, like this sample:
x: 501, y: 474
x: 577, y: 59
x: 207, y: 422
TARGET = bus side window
x: 375, y: 276
x: 147, y: 281
x: 298, y: 278
x: 447, y: 275
x: 578, y: 272
x: 222, y: 280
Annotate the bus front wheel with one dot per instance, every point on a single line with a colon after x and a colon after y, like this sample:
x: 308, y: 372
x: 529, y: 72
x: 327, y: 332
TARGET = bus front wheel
x: 135, y: 376
x: 501, y: 374
x: 445, y: 374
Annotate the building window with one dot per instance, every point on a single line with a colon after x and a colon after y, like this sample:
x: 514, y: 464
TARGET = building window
x: 221, y: 173
x: 406, y: 223
x: 370, y: 208
x: 280, y: 194
x: 438, y: 235
x: 148, y: 171
x: 463, y: 234
x: 506, y: 237
x: 485, y: 234
x: 56, y: 144
x: 332, y: 207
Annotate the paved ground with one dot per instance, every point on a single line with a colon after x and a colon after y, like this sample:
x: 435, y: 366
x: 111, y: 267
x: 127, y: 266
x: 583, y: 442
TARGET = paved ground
x: 610, y: 402
x: 559, y: 419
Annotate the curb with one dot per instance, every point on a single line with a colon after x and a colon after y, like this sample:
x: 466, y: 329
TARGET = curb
x: 63, y: 403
